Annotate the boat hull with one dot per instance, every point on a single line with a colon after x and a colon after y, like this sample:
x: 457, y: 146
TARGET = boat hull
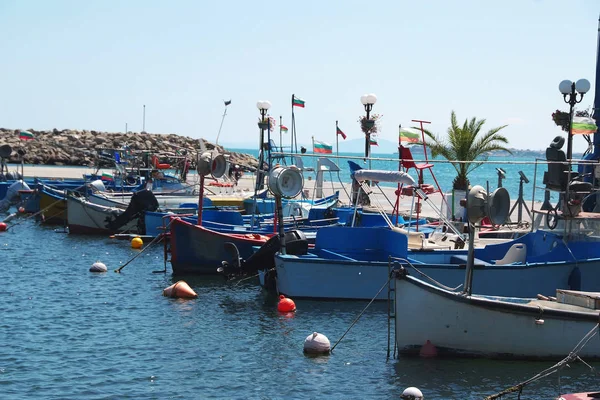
x: 88, y: 218
x: 198, y: 250
x: 482, y: 327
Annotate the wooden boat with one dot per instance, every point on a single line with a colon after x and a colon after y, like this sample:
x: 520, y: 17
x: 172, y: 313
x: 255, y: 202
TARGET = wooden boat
x: 196, y: 249
x: 491, y: 326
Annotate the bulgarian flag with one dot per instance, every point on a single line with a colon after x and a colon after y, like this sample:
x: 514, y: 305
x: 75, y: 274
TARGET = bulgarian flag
x: 107, y: 177
x: 283, y: 128
x: 338, y: 131
x: 322, y: 147
x: 373, y: 141
x: 409, y: 135
x: 297, y: 102
x: 583, y: 126
x: 25, y: 135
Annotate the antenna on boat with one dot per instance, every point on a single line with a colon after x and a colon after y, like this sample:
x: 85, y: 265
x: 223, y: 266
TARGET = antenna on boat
x: 226, y: 102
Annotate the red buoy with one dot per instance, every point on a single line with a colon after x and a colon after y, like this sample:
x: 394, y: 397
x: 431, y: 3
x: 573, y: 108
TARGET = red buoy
x: 180, y: 290
x: 285, y: 304
x: 428, y: 350
x: 21, y: 210
x: 3, y: 226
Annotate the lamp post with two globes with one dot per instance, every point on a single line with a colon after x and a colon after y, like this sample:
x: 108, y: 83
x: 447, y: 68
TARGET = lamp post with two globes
x: 569, y: 91
x: 368, y: 100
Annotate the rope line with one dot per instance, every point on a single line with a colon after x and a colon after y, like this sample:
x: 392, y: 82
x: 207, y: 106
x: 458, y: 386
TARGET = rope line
x: 573, y: 355
x: 361, y: 313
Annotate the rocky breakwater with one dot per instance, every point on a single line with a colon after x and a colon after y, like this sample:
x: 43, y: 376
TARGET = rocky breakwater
x: 73, y: 147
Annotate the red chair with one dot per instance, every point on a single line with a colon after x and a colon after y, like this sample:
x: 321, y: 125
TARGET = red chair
x: 407, y: 162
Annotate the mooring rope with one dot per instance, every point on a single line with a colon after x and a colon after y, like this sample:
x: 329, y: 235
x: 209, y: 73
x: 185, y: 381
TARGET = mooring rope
x: 153, y: 242
x: 362, y: 312
x: 549, y: 371
x: 34, y: 214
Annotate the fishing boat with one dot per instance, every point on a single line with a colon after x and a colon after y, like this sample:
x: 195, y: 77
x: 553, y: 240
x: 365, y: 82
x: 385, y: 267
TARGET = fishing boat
x: 458, y: 324
x: 86, y: 217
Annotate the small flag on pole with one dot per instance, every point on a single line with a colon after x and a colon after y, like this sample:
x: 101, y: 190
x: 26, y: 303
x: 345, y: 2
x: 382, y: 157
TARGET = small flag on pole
x: 107, y: 177
x: 322, y: 147
x: 409, y: 135
x: 583, y: 126
x: 227, y: 102
x: 297, y: 102
x: 338, y: 131
x: 283, y: 128
x: 25, y: 135
x: 373, y: 141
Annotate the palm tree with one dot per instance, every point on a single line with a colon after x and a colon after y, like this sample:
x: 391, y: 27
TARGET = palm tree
x: 464, y: 143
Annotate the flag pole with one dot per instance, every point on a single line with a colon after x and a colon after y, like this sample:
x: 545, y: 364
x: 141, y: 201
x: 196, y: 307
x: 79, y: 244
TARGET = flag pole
x: 337, y: 141
x: 144, y: 120
x: 280, y: 135
x: 293, y: 132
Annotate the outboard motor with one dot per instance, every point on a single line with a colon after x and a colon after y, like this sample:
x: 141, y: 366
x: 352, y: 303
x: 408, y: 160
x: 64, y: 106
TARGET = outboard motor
x: 141, y: 201
x: 12, y: 195
x: 263, y: 259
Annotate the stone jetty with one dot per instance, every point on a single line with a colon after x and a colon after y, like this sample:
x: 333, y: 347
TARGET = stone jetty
x: 80, y: 147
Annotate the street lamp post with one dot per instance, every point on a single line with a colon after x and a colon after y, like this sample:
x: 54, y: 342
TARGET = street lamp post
x: 569, y: 91
x: 368, y: 100
x: 263, y: 106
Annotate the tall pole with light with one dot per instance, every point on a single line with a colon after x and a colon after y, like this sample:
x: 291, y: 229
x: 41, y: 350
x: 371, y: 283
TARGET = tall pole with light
x: 368, y: 100
x: 570, y: 90
x: 263, y: 106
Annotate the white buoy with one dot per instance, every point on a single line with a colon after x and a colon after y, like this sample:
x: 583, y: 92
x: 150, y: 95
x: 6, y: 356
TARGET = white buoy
x: 412, y: 393
x: 98, y: 267
x: 317, y: 343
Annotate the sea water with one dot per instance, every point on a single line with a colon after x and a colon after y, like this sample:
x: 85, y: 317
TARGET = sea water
x: 486, y: 174
x: 67, y: 333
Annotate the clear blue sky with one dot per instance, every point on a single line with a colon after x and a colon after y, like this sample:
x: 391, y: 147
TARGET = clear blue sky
x: 93, y: 64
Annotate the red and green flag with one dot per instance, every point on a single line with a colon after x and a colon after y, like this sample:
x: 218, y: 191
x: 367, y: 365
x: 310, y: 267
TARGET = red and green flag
x: 283, y: 128
x: 107, y: 177
x: 297, y: 102
x: 373, y: 141
x: 322, y: 147
x: 25, y: 135
x: 338, y: 131
x: 409, y: 135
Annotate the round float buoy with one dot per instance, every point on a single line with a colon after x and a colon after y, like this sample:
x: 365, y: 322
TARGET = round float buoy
x: 317, y: 343
x: 21, y: 210
x: 3, y: 226
x: 428, y: 350
x: 98, y: 267
x: 285, y: 304
x: 412, y: 393
x: 181, y: 290
x: 137, y: 243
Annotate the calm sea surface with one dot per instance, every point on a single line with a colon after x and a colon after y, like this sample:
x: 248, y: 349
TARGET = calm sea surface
x: 67, y: 333
x: 445, y: 172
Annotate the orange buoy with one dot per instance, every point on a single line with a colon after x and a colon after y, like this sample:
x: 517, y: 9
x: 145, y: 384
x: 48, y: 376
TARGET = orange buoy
x: 285, y: 304
x: 181, y: 290
x: 137, y: 242
x: 21, y: 210
x: 428, y: 350
x: 3, y: 226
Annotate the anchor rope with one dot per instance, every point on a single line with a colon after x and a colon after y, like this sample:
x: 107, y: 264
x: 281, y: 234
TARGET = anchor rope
x: 153, y: 242
x: 361, y: 313
x: 573, y: 355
